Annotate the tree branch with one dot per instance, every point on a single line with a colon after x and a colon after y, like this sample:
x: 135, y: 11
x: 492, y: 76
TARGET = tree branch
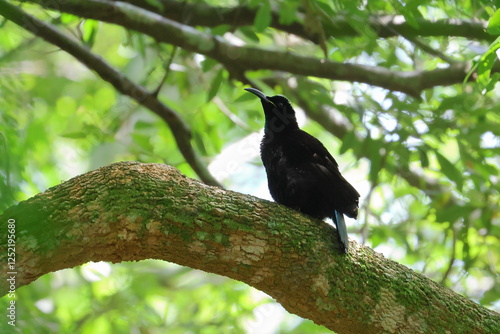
x: 205, y: 15
x: 132, y: 211
x: 179, y: 128
x: 252, y: 58
x: 428, y: 49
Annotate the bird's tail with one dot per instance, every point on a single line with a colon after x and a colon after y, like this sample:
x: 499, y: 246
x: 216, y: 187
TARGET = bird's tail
x: 338, y: 219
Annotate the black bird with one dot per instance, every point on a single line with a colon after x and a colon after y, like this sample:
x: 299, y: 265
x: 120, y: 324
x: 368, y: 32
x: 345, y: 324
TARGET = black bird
x: 301, y: 173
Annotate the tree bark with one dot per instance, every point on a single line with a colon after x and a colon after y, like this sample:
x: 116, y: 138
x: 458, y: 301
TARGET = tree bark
x: 134, y: 211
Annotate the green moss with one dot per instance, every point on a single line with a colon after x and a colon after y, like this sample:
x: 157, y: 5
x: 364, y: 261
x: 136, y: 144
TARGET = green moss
x: 200, y: 235
x: 219, y: 238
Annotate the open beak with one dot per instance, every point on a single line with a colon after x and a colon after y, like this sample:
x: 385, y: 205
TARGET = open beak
x: 261, y: 95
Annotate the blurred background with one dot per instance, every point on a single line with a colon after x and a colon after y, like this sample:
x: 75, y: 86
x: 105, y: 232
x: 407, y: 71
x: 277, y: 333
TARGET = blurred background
x: 426, y: 164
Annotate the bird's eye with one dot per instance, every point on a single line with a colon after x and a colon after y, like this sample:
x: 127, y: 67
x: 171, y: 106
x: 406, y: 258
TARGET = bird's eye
x: 280, y: 105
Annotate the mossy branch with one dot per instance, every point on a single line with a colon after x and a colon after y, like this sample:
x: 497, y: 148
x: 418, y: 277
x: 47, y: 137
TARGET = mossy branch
x: 133, y: 211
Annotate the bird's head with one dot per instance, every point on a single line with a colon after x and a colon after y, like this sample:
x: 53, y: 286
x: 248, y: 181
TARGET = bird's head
x: 279, y: 113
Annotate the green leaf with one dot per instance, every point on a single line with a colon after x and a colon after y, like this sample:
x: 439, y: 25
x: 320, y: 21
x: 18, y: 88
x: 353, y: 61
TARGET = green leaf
x: 494, y: 79
x: 221, y: 29
x: 451, y: 214
x: 263, y: 17
x: 244, y: 97
x: 424, y: 160
x: 90, y: 28
x: 328, y: 11
x: 214, y: 86
x: 207, y: 64
x: 143, y: 125
x: 143, y: 141
x: 66, y: 106
x: 484, y: 66
x: 450, y: 170
x: 349, y: 141
x: 374, y: 148
x: 250, y: 33
x: 69, y: 18
x: 494, y: 24
x: 75, y: 135
x: 157, y: 4
x: 287, y: 12
x: 491, y: 296
x: 409, y: 11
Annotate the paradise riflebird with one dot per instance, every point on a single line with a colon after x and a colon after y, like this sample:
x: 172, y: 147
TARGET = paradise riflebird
x: 301, y: 173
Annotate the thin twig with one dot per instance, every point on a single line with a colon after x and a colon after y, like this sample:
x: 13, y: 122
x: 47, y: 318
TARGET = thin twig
x: 428, y: 49
x: 452, y: 256
x: 167, y: 71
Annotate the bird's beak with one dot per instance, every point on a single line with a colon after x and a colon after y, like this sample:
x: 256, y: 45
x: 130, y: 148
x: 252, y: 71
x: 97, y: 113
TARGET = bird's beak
x: 261, y: 95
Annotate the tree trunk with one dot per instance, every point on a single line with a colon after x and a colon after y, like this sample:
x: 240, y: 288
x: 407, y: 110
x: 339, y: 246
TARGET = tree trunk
x: 134, y: 211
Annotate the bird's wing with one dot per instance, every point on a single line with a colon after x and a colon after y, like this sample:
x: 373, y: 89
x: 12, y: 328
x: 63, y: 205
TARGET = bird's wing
x: 330, y: 181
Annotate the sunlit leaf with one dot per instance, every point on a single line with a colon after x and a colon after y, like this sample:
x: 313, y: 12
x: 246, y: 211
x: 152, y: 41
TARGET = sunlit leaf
x: 75, y: 135
x: 214, y: 86
x: 90, y: 29
x: 249, y: 33
x: 207, y: 64
x: 263, y: 17
x: 494, y: 23
x: 143, y: 142
x: 287, y: 12
x: 484, y: 65
x: 450, y: 170
x: 221, y: 29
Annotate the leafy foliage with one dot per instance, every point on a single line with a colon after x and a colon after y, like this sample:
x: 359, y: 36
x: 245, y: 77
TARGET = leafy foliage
x: 427, y: 168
